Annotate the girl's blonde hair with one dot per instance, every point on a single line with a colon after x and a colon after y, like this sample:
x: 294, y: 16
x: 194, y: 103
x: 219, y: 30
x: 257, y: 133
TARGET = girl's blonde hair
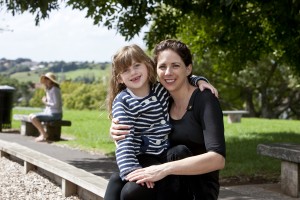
x: 120, y: 62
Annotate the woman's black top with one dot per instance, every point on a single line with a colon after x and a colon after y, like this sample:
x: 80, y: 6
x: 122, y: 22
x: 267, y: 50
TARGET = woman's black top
x: 201, y: 129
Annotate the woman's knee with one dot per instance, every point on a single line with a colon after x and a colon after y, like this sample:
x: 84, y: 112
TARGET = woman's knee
x: 31, y: 116
x: 179, y: 152
x: 133, y: 191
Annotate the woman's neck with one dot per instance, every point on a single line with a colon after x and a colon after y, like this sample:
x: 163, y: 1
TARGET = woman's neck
x: 181, y: 100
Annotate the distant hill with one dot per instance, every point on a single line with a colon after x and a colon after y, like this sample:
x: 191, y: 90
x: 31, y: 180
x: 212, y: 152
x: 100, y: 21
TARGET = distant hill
x: 25, y: 70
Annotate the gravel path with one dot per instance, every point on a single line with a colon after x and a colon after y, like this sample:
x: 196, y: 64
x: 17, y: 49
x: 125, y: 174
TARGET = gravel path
x: 14, y: 184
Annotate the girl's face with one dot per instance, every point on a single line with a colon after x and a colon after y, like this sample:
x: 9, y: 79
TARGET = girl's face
x: 171, y: 70
x: 135, y: 77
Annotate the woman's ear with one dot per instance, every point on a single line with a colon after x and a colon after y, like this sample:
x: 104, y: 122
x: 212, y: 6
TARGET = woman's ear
x: 189, y: 69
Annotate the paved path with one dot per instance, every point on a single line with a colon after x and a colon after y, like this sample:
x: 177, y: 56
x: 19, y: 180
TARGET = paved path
x: 104, y: 166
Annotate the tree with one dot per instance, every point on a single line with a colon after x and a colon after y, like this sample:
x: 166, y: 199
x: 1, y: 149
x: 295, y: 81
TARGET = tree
x: 266, y: 86
x: 242, y: 24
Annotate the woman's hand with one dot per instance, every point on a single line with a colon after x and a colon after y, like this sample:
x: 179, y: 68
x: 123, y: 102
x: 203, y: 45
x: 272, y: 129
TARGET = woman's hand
x: 204, y: 85
x: 118, y: 131
x: 148, y: 174
x: 44, y: 100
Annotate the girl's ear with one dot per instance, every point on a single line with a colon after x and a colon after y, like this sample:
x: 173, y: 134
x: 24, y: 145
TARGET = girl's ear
x: 189, y: 69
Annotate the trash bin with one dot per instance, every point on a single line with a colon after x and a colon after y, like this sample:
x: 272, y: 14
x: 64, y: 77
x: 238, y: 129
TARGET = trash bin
x: 6, y: 105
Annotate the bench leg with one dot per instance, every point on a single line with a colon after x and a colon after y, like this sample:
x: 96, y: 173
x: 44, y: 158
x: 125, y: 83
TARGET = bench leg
x: 3, y: 154
x: 28, y: 129
x: 68, y: 188
x: 234, y: 118
x: 290, y: 178
x: 28, y: 167
x: 54, y: 132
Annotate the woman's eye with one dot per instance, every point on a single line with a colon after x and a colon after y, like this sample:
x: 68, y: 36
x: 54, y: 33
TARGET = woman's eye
x: 161, y: 67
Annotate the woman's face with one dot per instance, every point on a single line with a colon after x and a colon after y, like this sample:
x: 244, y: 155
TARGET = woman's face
x: 171, y: 70
x: 47, y: 83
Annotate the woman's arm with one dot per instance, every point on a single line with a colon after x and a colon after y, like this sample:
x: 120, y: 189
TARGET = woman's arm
x: 194, y: 165
x: 118, y: 131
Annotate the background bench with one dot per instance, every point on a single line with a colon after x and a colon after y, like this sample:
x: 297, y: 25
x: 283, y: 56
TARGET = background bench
x: 234, y: 116
x: 52, y: 128
x: 72, y: 180
x: 289, y: 154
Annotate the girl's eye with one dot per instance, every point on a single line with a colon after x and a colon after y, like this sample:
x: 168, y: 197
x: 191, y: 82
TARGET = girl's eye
x: 137, y: 65
x: 176, y: 65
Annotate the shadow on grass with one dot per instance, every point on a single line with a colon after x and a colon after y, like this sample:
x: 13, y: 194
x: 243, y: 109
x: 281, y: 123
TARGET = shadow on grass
x: 243, y: 164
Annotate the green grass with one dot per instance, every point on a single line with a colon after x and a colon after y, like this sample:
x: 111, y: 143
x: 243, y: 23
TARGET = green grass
x: 35, y: 76
x: 90, y: 131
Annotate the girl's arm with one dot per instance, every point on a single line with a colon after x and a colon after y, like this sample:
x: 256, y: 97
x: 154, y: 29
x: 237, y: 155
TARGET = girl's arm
x: 203, y: 84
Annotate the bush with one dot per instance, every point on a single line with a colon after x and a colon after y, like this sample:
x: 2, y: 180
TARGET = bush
x: 77, y: 96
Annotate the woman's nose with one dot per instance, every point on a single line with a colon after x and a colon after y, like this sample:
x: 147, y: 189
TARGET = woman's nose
x: 168, y: 71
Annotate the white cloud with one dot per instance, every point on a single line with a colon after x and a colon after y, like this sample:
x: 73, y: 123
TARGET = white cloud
x: 66, y: 35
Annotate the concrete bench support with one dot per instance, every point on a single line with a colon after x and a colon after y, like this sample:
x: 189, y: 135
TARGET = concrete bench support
x: 71, y: 179
x: 289, y: 154
x: 68, y: 188
x: 28, y: 167
x: 235, y: 116
x: 53, y: 128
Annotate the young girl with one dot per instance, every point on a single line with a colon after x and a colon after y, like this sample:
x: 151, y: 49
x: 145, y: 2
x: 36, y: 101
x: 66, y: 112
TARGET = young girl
x: 53, y: 103
x: 138, y: 100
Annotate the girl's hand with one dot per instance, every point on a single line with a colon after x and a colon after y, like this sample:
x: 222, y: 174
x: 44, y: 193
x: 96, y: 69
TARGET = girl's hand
x: 118, y: 131
x: 204, y: 85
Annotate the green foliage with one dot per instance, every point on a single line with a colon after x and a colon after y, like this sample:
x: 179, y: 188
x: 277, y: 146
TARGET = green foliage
x: 36, y: 100
x: 84, y: 96
x: 76, y: 95
x: 246, y: 30
x: 22, y: 91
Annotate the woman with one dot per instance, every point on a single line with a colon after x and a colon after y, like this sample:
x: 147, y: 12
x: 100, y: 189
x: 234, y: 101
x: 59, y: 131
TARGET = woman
x: 197, y: 121
x: 53, y: 103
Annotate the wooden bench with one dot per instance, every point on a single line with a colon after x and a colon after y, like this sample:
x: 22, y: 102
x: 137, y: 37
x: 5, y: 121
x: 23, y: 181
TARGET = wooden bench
x: 52, y: 128
x: 234, y: 116
x: 289, y: 154
x: 72, y: 180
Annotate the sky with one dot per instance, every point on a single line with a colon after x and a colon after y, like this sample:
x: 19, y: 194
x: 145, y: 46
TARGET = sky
x: 65, y: 36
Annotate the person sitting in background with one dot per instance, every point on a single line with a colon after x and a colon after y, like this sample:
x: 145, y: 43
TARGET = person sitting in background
x: 53, y: 103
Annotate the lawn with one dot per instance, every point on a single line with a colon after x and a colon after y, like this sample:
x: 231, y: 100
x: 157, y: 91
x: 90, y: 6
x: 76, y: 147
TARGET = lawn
x: 90, y: 131
x: 34, y: 76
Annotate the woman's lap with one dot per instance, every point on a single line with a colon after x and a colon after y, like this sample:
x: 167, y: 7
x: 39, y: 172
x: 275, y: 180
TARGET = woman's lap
x: 171, y: 187
x: 48, y: 117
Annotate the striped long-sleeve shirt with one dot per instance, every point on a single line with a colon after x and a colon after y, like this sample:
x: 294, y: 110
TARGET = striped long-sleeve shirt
x: 150, y: 126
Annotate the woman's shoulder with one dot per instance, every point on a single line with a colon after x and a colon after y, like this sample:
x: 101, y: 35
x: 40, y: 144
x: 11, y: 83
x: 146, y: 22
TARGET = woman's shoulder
x: 204, y: 96
x: 55, y: 89
x: 206, y: 93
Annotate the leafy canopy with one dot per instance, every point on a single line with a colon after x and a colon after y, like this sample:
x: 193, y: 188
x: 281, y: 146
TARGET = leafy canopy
x: 246, y: 29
